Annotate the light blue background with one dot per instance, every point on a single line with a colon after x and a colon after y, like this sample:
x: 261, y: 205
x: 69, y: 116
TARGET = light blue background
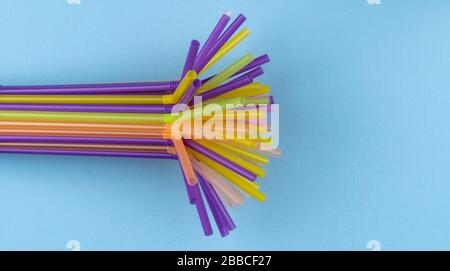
x: 365, y: 103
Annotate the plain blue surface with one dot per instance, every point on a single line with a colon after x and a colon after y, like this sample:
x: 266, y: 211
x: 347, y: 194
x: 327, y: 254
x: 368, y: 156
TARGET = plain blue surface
x: 365, y: 103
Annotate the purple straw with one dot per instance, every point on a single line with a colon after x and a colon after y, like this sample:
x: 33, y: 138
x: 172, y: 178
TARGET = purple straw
x: 253, y: 74
x: 201, y: 209
x: 191, y: 56
x: 221, y: 160
x: 89, y: 108
x: 220, y: 42
x: 163, y: 92
x: 86, y: 140
x: 114, y: 88
x: 220, y: 26
x: 223, y: 229
x: 189, y: 94
x: 189, y: 188
x: 226, y: 218
x: 91, y: 153
x: 232, y: 85
x: 259, y: 61
x: 100, y: 85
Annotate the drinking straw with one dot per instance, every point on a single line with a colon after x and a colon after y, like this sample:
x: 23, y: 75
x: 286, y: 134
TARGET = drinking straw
x: 220, y: 26
x: 223, y: 104
x: 226, y: 73
x: 184, y: 85
x: 202, y: 213
x: 226, y: 201
x: 274, y: 153
x: 144, y: 148
x: 108, y: 134
x: 241, y: 193
x: 224, y: 171
x: 212, y: 136
x: 143, y: 93
x: 253, y: 73
x: 89, y: 108
x: 223, y: 211
x: 262, y: 100
x: 156, y: 133
x: 227, y: 47
x: 259, y: 61
x: 105, y: 99
x: 237, y: 103
x: 222, y: 39
x: 246, y: 153
x: 234, y: 158
x: 244, y: 184
x: 230, y: 86
x: 214, y: 210
x: 91, y: 153
x: 185, y: 161
x: 123, y: 118
x: 247, y: 143
x: 81, y: 129
x: 191, y: 56
x: 272, y: 100
x: 221, y: 160
x: 189, y: 188
x: 84, y: 126
x: 89, y: 85
x: 83, y: 99
x: 217, y: 180
x: 86, y: 140
x: 189, y: 94
x: 94, y: 89
x: 217, y: 203
x: 248, y: 91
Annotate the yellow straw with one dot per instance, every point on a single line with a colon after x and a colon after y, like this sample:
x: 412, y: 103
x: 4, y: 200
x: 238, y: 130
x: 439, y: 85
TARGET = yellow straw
x: 245, y: 153
x: 247, y: 91
x: 184, y: 85
x: 124, y: 118
x: 105, y: 99
x: 234, y: 158
x: 224, y: 171
x: 227, y: 73
x: 228, y: 46
x: 244, y: 184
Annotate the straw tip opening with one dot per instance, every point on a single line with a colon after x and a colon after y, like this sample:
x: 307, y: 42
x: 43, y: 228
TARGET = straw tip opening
x: 197, y: 83
x: 195, y: 43
x: 191, y: 74
x: 192, y: 181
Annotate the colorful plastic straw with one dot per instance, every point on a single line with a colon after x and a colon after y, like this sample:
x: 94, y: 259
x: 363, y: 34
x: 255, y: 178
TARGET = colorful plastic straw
x: 216, y: 127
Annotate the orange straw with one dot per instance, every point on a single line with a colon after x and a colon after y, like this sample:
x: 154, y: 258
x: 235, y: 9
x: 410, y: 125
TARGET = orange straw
x: 185, y: 161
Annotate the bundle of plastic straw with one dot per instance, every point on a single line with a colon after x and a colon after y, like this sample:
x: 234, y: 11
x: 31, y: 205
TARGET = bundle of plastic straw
x: 216, y: 127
